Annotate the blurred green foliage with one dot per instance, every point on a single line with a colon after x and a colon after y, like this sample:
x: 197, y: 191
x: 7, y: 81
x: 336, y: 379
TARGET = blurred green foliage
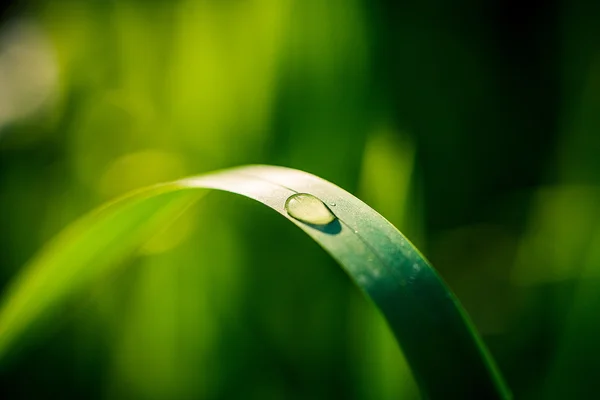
x: 472, y: 127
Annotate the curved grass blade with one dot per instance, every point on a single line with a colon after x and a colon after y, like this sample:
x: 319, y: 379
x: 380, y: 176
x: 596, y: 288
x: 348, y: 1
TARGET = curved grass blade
x: 446, y: 355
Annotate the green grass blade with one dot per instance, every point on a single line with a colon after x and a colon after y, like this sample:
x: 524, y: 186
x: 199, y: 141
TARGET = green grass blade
x: 446, y: 355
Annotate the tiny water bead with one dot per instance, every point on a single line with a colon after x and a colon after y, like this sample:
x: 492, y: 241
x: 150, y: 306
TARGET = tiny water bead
x: 309, y: 209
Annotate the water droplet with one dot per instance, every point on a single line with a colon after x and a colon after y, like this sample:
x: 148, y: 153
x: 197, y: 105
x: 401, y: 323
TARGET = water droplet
x: 307, y: 208
x: 332, y: 204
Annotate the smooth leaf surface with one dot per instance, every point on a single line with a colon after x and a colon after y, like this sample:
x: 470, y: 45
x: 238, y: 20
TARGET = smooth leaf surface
x: 446, y: 355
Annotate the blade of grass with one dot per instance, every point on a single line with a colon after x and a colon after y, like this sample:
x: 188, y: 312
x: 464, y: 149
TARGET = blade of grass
x: 446, y: 355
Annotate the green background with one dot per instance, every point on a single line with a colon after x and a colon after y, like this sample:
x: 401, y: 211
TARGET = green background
x: 474, y: 128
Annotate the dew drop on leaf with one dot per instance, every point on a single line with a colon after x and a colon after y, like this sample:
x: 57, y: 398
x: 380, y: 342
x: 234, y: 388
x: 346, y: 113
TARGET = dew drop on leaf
x: 309, y: 209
